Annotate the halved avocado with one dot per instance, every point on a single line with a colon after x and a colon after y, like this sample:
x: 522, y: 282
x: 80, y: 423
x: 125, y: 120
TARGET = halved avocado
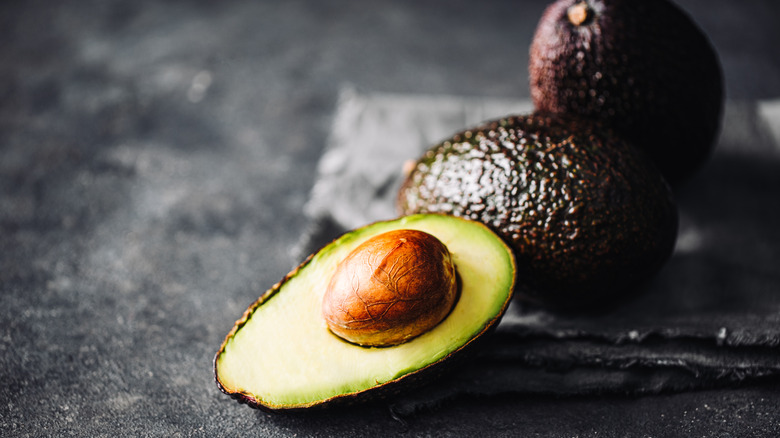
x: 281, y: 355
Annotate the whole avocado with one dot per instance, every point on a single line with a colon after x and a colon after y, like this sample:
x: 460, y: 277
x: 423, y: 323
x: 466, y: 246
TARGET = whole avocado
x: 642, y: 66
x: 588, y: 215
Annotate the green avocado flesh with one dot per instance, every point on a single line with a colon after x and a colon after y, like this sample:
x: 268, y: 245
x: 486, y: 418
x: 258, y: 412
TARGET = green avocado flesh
x: 281, y: 354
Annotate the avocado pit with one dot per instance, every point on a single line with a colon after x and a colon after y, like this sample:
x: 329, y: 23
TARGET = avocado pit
x: 392, y: 288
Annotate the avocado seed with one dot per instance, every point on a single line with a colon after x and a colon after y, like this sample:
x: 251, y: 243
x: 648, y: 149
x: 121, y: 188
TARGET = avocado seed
x: 391, y: 288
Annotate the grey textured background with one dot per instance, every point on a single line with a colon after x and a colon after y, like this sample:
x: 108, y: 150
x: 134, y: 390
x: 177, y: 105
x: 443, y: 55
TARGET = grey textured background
x: 156, y: 158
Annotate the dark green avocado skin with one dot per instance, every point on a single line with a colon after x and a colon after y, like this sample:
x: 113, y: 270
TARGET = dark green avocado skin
x: 642, y: 66
x: 588, y: 216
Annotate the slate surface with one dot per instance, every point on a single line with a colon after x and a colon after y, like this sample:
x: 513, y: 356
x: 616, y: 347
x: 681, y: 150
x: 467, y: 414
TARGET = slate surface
x: 155, y: 162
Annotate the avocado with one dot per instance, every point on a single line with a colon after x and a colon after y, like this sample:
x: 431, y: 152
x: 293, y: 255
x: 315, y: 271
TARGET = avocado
x: 588, y: 215
x: 282, y: 354
x: 643, y: 67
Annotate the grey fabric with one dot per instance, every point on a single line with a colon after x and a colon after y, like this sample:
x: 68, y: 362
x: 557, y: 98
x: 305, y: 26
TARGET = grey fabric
x: 711, y: 317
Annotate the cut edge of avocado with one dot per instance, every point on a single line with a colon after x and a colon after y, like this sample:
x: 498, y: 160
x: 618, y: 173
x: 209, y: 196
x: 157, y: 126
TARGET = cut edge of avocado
x: 338, y: 372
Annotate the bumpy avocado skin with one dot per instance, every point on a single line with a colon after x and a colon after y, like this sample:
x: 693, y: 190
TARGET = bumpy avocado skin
x: 587, y: 214
x: 644, y: 67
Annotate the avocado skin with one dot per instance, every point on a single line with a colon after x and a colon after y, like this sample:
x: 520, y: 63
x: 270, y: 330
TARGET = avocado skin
x: 588, y: 215
x: 644, y: 67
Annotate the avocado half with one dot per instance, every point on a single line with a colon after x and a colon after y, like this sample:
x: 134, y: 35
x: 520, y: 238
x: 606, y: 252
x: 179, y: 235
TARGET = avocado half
x: 281, y: 355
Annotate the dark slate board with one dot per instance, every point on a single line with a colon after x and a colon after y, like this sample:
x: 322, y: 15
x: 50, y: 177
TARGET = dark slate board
x: 710, y: 318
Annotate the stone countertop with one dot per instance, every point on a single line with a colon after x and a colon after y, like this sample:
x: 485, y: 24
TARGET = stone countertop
x: 156, y: 160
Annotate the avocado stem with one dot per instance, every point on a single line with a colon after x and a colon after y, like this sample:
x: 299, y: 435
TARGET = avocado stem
x: 579, y: 13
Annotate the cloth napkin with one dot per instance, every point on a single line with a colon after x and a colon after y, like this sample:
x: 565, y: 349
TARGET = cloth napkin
x: 711, y: 317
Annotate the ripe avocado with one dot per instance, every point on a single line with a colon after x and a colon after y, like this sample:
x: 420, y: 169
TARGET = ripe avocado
x: 281, y: 354
x: 643, y: 67
x: 588, y: 215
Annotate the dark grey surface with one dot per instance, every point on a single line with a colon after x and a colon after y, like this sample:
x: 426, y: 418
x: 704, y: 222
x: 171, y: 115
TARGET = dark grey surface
x: 156, y: 159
